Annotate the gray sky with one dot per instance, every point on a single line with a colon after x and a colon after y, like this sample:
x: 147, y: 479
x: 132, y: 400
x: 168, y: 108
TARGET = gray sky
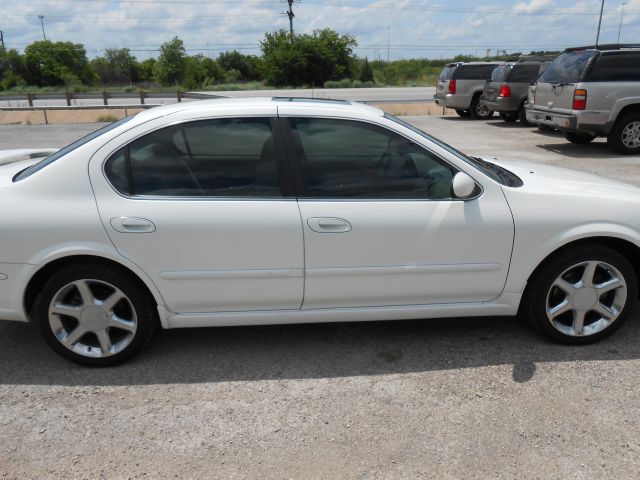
x: 401, y: 29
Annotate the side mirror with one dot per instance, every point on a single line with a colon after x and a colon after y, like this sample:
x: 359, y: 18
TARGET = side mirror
x: 463, y: 185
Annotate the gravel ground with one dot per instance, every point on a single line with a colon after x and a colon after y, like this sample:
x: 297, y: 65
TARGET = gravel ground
x: 452, y: 398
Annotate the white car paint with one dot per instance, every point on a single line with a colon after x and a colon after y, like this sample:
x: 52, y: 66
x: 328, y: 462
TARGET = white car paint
x: 11, y: 156
x: 214, y: 262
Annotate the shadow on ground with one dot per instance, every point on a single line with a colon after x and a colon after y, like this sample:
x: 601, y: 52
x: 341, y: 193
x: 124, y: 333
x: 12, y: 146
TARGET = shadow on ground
x: 310, y: 351
x: 593, y: 150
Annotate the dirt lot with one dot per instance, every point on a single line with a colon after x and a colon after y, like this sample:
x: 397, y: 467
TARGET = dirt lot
x: 452, y: 398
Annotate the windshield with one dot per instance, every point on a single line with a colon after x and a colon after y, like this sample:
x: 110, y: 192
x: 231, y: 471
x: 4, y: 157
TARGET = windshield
x: 499, y: 174
x: 567, y: 68
x: 447, y: 72
x: 27, y: 172
x: 500, y: 73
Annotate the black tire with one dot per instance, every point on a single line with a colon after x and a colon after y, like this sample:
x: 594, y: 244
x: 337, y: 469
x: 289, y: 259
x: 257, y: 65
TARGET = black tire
x: 522, y: 116
x: 509, y: 117
x: 579, y: 138
x: 541, y: 291
x: 477, y: 111
x: 462, y: 113
x: 136, y: 308
x: 625, y: 135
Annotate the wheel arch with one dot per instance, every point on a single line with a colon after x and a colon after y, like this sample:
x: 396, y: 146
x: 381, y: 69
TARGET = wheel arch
x: 630, y: 108
x: 628, y: 249
x: 39, y: 278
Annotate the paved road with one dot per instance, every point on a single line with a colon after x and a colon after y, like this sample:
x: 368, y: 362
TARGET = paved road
x: 452, y: 398
x: 391, y: 94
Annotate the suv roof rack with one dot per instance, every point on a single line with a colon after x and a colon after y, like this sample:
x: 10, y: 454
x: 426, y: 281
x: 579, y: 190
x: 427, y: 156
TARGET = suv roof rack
x: 608, y: 46
x: 310, y: 99
x: 535, y: 58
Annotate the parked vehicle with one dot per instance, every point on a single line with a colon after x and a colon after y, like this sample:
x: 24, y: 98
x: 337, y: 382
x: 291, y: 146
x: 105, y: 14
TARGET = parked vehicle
x: 265, y: 211
x: 507, y: 91
x: 465, y: 88
x: 590, y: 92
x: 442, y: 85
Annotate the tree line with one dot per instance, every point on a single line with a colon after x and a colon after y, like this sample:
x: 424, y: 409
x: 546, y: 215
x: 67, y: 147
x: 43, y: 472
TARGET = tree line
x: 323, y: 58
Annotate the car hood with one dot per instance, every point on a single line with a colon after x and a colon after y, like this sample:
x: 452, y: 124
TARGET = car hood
x: 551, y: 179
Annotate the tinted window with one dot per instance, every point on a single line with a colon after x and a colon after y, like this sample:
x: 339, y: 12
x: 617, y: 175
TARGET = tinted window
x: 225, y: 157
x: 523, y: 73
x: 567, y: 68
x: 61, y: 153
x: 447, y: 72
x: 473, y: 72
x: 500, y: 73
x: 616, y: 67
x: 349, y: 159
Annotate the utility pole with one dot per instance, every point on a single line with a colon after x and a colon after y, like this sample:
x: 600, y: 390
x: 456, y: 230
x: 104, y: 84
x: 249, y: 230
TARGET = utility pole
x: 388, y: 41
x: 599, y: 23
x: 1, y: 39
x: 41, y: 17
x: 290, y: 14
x: 619, y: 28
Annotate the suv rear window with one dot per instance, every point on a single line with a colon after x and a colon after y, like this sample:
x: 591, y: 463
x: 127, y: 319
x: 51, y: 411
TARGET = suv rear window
x: 616, y: 67
x: 473, y: 72
x: 500, y: 73
x: 568, y: 67
x: 523, y: 73
x: 447, y: 72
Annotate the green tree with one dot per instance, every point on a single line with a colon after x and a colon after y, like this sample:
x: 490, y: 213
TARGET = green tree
x: 146, y: 70
x: 57, y: 63
x: 249, y: 66
x: 307, y: 59
x: 12, y: 69
x: 200, y: 71
x: 116, y: 67
x: 170, y: 67
x: 366, y: 73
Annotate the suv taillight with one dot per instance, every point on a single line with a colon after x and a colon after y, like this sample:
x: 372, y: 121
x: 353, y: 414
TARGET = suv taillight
x: 580, y: 99
x: 505, y: 91
x: 452, y: 87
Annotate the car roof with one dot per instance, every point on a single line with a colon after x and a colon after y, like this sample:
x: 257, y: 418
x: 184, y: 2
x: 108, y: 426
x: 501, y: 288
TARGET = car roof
x: 220, y: 104
x: 607, y: 47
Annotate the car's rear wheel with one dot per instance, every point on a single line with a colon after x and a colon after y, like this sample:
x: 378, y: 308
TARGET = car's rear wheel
x: 625, y: 136
x: 522, y: 116
x: 509, y: 117
x: 94, y: 315
x: 583, y: 295
x: 579, y: 138
x: 462, y: 113
x: 478, y: 111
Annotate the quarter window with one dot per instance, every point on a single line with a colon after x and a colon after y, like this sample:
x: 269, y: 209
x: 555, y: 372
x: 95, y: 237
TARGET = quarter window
x: 349, y: 159
x: 616, y: 67
x: 221, y: 157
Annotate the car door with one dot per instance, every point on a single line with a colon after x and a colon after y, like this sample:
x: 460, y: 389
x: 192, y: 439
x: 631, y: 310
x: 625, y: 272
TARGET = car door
x: 380, y: 225
x: 200, y: 207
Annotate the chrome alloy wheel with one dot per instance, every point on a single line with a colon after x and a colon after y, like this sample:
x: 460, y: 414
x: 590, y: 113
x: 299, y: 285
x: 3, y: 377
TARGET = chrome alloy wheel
x: 92, y: 318
x: 631, y: 135
x: 482, y: 111
x: 586, y: 298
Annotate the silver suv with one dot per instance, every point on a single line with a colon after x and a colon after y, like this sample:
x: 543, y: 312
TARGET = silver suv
x: 507, y: 91
x: 589, y: 92
x: 464, y: 88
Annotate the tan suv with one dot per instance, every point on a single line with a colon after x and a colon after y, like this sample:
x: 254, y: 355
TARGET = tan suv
x: 590, y: 92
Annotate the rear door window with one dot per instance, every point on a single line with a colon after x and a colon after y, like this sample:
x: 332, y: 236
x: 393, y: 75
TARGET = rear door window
x: 616, y: 67
x: 568, y: 67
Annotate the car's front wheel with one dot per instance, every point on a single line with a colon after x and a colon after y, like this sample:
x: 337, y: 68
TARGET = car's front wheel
x: 583, y: 295
x: 579, y: 138
x: 94, y: 314
x: 625, y: 136
x: 462, y: 113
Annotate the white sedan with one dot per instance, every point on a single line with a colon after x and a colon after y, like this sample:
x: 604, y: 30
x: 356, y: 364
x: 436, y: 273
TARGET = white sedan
x: 279, y: 210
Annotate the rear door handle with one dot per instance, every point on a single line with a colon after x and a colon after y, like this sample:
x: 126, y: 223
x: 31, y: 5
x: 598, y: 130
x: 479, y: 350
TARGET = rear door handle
x: 132, y: 225
x: 328, y: 225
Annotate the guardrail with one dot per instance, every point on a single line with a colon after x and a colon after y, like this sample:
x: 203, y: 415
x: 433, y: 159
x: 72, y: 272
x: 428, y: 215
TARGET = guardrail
x: 103, y: 96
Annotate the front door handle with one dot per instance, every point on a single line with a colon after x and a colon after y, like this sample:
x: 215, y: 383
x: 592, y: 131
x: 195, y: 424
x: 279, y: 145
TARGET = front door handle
x: 329, y: 225
x: 132, y: 225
